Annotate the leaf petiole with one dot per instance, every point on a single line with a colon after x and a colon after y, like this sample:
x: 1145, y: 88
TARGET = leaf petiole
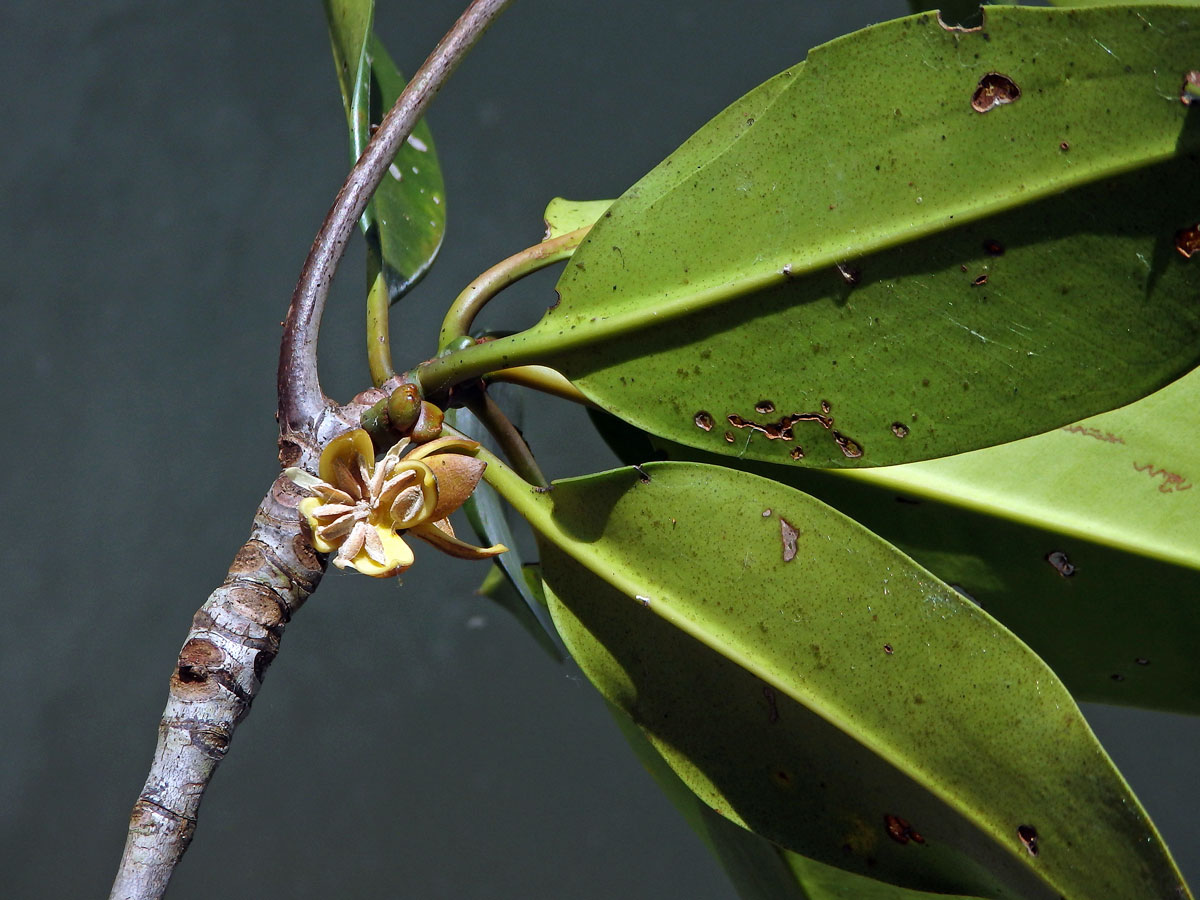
x: 540, y: 378
x: 466, y: 305
x: 379, y: 348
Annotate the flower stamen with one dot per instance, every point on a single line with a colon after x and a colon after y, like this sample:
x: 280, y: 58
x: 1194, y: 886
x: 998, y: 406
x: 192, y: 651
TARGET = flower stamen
x: 360, y: 507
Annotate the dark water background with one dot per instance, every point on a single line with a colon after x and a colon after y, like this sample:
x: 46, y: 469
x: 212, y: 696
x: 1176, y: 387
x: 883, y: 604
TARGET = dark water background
x: 165, y: 166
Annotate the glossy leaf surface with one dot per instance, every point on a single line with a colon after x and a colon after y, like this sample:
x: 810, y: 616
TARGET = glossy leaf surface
x: 410, y: 205
x: 758, y: 869
x: 1082, y: 3
x: 1084, y: 541
x: 838, y: 696
x: 349, y: 24
x: 1094, y: 556
x: 407, y: 214
x: 853, y: 233
x: 564, y: 215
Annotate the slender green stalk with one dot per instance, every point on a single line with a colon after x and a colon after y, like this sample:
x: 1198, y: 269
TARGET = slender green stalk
x: 544, y: 341
x: 379, y: 348
x: 527, y: 499
x: 510, y: 439
x: 467, y: 305
x: 541, y: 378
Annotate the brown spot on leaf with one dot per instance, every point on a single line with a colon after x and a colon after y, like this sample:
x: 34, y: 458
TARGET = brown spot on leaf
x: 900, y: 831
x: 783, y: 429
x: 887, y: 648
x: 1187, y: 241
x: 1142, y: 661
x: 1029, y: 837
x: 850, y: 448
x: 764, y: 407
x: 788, y: 534
x: 1061, y: 562
x: 994, y: 90
x: 980, y: 281
x: 643, y: 475
x: 993, y: 247
x: 728, y: 437
x: 1064, y: 146
x: 899, y: 429
x: 703, y: 421
x: 956, y: 29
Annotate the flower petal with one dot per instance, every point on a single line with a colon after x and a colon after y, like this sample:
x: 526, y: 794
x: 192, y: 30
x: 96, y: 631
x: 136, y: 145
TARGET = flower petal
x: 307, y: 505
x: 392, y: 487
x: 416, y: 502
x: 302, y: 479
x: 457, y: 476
x: 329, y: 494
x: 333, y: 509
x: 337, y: 529
x: 397, y: 449
x: 427, y: 531
x: 348, y: 449
x: 406, y: 509
x: 382, y: 470
x: 374, y: 546
x: 443, y: 444
x: 396, y: 553
x: 352, y: 546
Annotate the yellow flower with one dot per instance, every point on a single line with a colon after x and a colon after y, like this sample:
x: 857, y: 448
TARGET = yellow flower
x: 360, y: 507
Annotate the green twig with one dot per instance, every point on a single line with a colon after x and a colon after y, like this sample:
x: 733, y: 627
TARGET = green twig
x: 541, y: 378
x: 379, y: 348
x: 527, y: 499
x: 508, y: 436
x: 466, y: 305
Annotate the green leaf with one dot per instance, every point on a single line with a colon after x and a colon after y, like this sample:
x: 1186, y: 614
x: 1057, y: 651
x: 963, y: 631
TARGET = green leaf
x: 758, y: 869
x: 499, y: 587
x: 407, y: 214
x: 409, y: 207
x: 563, y: 216
x: 712, y: 288
x: 349, y: 24
x: 1109, y: 500
x: 812, y: 698
x: 1082, y: 3
x: 508, y: 582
